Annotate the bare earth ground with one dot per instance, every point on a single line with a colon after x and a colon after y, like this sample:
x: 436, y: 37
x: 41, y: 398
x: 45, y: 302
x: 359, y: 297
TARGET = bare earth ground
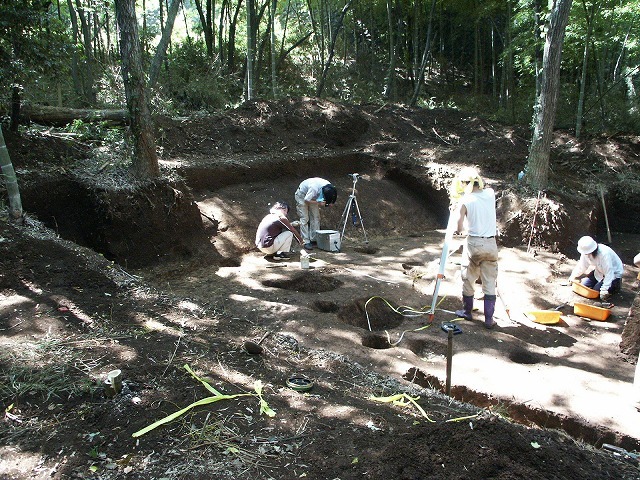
x: 529, y: 401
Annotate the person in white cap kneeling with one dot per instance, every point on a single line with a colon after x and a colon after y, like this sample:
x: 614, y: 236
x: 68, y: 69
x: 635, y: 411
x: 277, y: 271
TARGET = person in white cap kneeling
x: 600, y: 267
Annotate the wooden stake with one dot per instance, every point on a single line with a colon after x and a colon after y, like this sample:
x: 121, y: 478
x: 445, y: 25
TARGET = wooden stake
x: 606, y: 218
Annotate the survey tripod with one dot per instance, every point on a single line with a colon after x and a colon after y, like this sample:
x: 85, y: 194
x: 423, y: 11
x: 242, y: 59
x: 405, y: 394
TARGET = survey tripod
x: 352, y: 210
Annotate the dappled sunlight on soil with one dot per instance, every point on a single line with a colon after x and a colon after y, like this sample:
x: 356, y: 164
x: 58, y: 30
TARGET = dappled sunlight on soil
x: 571, y: 368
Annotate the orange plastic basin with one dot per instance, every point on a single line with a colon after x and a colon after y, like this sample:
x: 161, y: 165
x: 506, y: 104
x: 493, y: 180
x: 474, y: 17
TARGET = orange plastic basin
x: 589, y: 311
x: 583, y: 291
x: 545, y: 317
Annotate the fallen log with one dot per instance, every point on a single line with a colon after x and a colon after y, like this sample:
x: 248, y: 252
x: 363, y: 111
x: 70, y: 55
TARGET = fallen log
x: 59, y: 116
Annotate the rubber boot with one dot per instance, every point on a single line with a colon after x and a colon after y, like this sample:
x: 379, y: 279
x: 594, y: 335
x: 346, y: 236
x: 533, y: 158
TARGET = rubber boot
x: 467, y: 304
x: 489, y: 309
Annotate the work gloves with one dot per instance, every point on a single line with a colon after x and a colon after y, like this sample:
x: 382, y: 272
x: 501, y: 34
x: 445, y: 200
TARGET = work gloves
x: 605, y: 296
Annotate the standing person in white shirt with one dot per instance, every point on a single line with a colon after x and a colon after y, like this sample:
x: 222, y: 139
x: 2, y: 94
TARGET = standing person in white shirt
x: 601, y: 267
x: 477, y: 209
x: 312, y: 193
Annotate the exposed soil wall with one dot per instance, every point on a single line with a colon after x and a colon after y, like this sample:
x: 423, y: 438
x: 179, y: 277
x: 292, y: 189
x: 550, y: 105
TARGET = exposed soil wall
x: 135, y: 228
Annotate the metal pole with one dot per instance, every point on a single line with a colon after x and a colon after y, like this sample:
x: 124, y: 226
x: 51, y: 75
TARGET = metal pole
x: 345, y: 217
x: 444, y: 256
x: 347, y: 210
x: 449, y: 357
x: 366, y: 240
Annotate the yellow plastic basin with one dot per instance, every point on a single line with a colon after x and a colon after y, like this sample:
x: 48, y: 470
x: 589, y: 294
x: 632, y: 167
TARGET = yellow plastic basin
x: 589, y: 311
x: 545, y: 317
x: 584, y: 291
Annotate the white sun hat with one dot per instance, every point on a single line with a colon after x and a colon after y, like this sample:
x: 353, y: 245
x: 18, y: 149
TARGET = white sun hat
x: 587, y: 245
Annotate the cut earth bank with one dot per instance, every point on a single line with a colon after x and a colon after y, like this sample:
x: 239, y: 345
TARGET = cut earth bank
x: 559, y: 376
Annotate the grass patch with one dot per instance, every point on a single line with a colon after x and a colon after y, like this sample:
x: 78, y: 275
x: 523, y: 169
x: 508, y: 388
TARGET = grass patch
x: 43, y: 370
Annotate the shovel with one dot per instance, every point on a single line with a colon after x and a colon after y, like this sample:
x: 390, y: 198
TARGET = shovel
x: 504, y: 305
x: 254, y: 348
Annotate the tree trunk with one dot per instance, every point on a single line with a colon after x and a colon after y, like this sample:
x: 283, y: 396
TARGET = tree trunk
x: 272, y: 51
x: 258, y: 51
x: 334, y: 38
x: 250, y: 48
x: 545, y: 108
x: 75, y: 63
x: 589, y: 16
x: 145, y: 160
x: 476, y: 56
x: 59, y: 117
x: 538, y: 51
x: 389, y: 89
x: 231, y: 47
x: 89, y: 90
x: 161, y: 50
x: 318, y: 34
x: 206, y: 22
x: 11, y: 181
x: 224, y: 12
x: 425, y: 56
x: 415, y: 40
x: 299, y: 42
x: 16, y: 90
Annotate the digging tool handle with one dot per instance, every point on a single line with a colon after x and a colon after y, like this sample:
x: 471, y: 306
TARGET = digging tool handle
x: 606, y: 218
x: 533, y: 222
x: 449, y: 358
x: 620, y: 450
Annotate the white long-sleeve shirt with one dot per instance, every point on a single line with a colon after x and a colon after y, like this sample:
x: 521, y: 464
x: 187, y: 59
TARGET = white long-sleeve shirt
x: 607, y: 266
x: 311, y: 188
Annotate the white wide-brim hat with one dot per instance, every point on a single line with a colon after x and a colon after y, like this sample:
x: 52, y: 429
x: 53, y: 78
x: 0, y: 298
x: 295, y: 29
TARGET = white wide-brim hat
x: 587, y: 245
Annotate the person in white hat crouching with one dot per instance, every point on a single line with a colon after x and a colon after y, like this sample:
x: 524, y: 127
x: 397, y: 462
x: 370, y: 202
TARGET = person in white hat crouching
x: 600, y: 267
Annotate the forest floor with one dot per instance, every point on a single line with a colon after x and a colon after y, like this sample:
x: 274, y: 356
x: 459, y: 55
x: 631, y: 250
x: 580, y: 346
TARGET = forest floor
x: 527, y: 400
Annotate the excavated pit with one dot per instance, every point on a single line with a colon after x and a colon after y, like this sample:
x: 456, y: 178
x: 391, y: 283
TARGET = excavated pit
x: 325, y: 306
x: 395, y: 202
x: 523, y: 356
x: 370, y: 314
x: 375, y: 341
x: 311, y: 282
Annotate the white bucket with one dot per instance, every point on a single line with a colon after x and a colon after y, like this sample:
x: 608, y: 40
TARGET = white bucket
x: 304, y: 262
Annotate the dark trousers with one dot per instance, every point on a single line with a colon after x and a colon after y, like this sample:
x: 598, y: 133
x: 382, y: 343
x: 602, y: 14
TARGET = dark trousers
x: 594, y: 284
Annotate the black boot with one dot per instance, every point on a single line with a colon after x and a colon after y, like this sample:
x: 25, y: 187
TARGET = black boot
x: 489, y: 309
x: 467, y: 304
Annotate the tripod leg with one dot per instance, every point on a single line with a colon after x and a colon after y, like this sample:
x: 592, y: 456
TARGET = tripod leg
x: 345, y: 217
x: 361, y: 222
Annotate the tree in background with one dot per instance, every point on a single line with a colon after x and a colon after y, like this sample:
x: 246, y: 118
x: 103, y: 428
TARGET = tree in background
x: 11, y: 182
x: 545, y: 107
x: 31, y: 48
x: 478, y: 56
x: 145, y: 159
x: 161, y: 51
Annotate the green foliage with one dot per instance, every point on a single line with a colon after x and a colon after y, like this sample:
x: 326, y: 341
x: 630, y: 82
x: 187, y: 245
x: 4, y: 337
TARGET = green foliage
x: 110, y: 87
x: 196, y: 82
x: 102, y: 131
x: 36, y: 47
x: 33, y: 43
